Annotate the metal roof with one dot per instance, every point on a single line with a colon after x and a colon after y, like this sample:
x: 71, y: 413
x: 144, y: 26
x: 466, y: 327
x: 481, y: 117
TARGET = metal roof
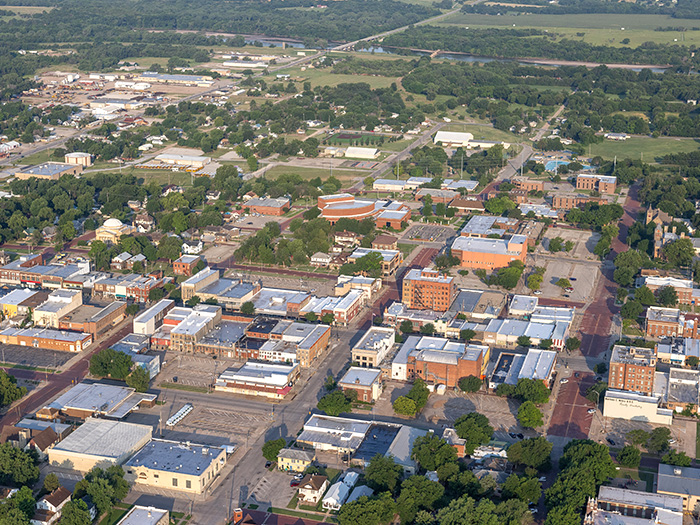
x: 104, y: 438
x: 679, y: 480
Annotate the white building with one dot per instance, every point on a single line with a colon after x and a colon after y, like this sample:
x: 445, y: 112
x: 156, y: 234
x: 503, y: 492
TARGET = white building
x: 635, y: 407
x: 354, y: 152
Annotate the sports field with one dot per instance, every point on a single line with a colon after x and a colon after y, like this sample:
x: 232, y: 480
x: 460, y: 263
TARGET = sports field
x: 645, y: 148
x: 598, y: 29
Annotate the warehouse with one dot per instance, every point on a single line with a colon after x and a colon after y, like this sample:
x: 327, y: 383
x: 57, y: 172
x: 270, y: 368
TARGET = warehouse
x: 48, y: 171
x: 86, y: 400
x: 46, y: 338
x: 186, y: 467
x: 259, y: 379
x: 99, y: 443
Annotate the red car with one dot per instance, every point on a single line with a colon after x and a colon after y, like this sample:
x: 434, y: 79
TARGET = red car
x: 294, y: 483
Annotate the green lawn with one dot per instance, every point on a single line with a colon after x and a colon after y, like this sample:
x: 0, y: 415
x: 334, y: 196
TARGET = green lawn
x: 312, y: 173
x: 697, y: 442
x: 186, y: 388
x: 643, y: 147
x: 324, y: 77
x: 597, y: 29
x: 406, y: 248
x: 114, y: 515
x: 484, y: 132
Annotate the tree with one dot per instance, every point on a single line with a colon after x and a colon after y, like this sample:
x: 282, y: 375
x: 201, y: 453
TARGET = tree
x: 692, y: 361
x: 383, y: 473
x: 417, y: 492
x: 271, y: 449
x: 525, y: 341
x: 631, y: 310
x: 51, y: 482
x: 531, y: 452
x: 248, y: 308
x: 419, y: 393
x: 193, y: 301
x: 328, y: 318
x: 101, y: 493
x: 532, y: 390
x: 546, y: 344
x: 334, y: 403
x: 529, y: 416
x: 629, y: 456
x: 528, y: 490
x: 75, y: 512
x: 432, y: 452
x: 467, y: 335
x: 311, y: 317
x: 679, y: 252
x: 679, y: 459
x: 475, y: 429
x: 378, y: 510
x: 405, y: 406
x: 645, y: 296
x: 556, y: 244
x: 406, y: 327
x: 534, y: 281
x: 9, y: 391
x: 156, y: 294
x: 563, y: 283
x: 573, y: 343
x: 110, y: 363
x: 139, y: 379
x: 427, y: 329
x: 638, y: 437
x: 658, y: 440
x: 470, y: 384
x: 667, y: 296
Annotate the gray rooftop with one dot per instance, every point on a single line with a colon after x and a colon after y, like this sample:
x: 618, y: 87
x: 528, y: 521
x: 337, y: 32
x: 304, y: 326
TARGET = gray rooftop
x: 639, y: 498
x: 227, y: 333
x: 172, y: 456
x: 47, y: 169
x: 360, y: 376
x: 679, y: 480
x: 104, y: 438
x: 110, y: 400
x: 481, y: 245
x: 139, y: 515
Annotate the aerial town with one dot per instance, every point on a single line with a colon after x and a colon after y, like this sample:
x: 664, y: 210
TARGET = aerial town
x: 434, y: 266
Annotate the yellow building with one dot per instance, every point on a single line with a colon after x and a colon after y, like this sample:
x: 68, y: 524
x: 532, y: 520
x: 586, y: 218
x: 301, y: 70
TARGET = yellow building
x: 176, y: 466
x: 15, y: 302
x: 295, y: 460
x: 112, y: 230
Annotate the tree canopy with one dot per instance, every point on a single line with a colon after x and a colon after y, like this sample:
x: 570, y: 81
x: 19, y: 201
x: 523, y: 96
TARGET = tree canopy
x: 475, y: 429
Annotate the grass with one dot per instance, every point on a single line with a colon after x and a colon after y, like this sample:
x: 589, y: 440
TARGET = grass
x: 27, y: 367
x: 295, y: 513
x: 38, y: 158
x: 312, y: 173
x: 253, y: 506
x: 597, y: 29
x: 484, y: 132
x: 293, y: 502
x: 324, y: 77
x: 697, y: 442
x: 643, y: 147
x: 406, y: 248
x: 113, y: 516
x: 186, y: 388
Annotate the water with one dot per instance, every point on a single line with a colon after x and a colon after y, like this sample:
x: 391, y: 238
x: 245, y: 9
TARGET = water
x: 555, y: 163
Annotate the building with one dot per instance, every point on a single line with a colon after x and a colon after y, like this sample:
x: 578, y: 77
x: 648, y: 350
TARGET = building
x: 93, y: 319
x: 197, y: 282
x: 569, y: 201
x: 632, y: 507
x: 369, y: 285
x: 401, y: 448
x: 539, y: 365
x: 396, y: 313
x: 150, y: 320
x: 58, y: 304
x: 259, y: 379
x: 385, y: 242
x: 20, y: 300
x: 487, y: 226
x: 336, y: 496
x: 335, y: 434
x: 451, y: 438
x: 48, y: 171
x: 99, y: 443
x: 190, y: 162
x: 453, y: 139
x: 390, y: 185
x: 465, y: 206
x: 594, y: 182
x: 677, y: 351
x: 295, y: 459
x: 185, y: 80
x: 437, y: 195
x: 373, y: 347
x: 632, y: 368
x: 131, y: 286
x: 185, y: 265
x: 321, y: 260
x: 523, y: 183
x: 48, y: 508
x: 354, y: 152
x: 358, y: 492
x: 682, y: 390
x: 139, y: 515
x: 489, y: 254
x: 46, y: 338
x: 665, y: 322
x: 86, y: 400
x: 386, y: 213
x: 78, y: 158
x: 391, y: 259
x: 112, y: 230
x: 428, y: 290
x: 365, y: 382
x: 684, y: 288
x: 634, y: 406
x: 268, y: 206
x: 172, y: 465
x: 505, y: 332
x: 312, y: 488
x: 680, y: 481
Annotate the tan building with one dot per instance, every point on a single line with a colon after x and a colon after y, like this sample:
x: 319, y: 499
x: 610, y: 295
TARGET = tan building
x: 632, y: 368
x: 594, y: 182
x: 680, y: 481
x: 46, y: 338
x: 48, y: 171
x: 374, y: 347
x: 58, y: 304
x: 523, y: 183
x: 112, y: 230
x: 391, y: 259
x: 171, y: 465
x: 197, y: 282
x: 79, y: 158
x: 93, y: 319
x: 428, y: 290
x: 295, y: 459
x: 365, y: 382
x: 570, y: 201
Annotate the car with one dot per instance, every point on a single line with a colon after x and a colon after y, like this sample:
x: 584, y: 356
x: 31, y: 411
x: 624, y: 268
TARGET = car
x: 537, y: 292
x: 533, y: 511
x: 563, y: 381
x: 520, y: 436
x: 572, y: 278
x: 268, y: 464
x: 576, y: 374
x: 672, y: 441
x: 294, y: 483
x: 174, y: 379
x: 513, y: 435
x: 610, y: 441
x: 569, y: 289
x: 542, y: 479
x: 591, y: 410
x: 566, y: 295
x: 299, y: 476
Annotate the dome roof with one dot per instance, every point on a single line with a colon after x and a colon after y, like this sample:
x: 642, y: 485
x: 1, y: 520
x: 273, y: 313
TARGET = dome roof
x: 113, y: 223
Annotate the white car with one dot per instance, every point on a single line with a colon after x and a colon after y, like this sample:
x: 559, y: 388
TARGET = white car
x: 564, y: 381
x: 543, y: 479
x: 591, y: 410
x: 537, y: 292
x: 672, y: 441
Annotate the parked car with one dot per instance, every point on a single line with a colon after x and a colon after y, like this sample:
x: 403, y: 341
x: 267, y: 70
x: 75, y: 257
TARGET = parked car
x: 610, y: 441
x: 268, y: 464
x: 576, y: 374
x: 520, y: 436
x: 543, y: 479
x: 563, y: 381
x: 294, y: 483
x: 572, y: 278
x: 591, y: 410
x: 513, y: 435
x: 537, y: 292
x: 672, y: 441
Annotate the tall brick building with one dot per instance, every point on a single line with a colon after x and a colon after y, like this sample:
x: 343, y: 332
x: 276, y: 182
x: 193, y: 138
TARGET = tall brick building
x: 632, y: 368
x: 602, y: 183
x: 428, y: 290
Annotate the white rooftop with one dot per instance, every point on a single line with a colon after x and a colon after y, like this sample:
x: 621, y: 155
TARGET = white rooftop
x: 104, y: 438
x: 359, y: 376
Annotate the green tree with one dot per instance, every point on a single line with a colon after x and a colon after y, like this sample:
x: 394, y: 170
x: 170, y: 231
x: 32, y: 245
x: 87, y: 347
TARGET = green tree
x: 531, y: 452
x: 110, y: 363
x: 475, y: 429
x: 667, y: 296
x: 432, y: 452
x: 311, y: 317
x: 679, y: 459
x: 248, y: 308
x: 406, y: 327
x: 139, y: 379
x: 156, y: 294
x: 658, y: 440
x: 532, y: 390
x: 271, y: 449
x: 383, y: 473
x: 572, y: 344
x: 193, y: 301
x: 692, y: 361
x: 427, y: 329
x: 534, y: 281
x: 378, y: 510
x: 563, y: 283
x: 525, y: 341
x: 529, y: 416
x: 638, y: 437
x: 467, y: 334
x: 75, y: 512
x: 629, y: 456
x: 328, y: 318
x: 419, y: 393
x: 631, y: 310
x: 679, y: 252
x: 417, y: 492
x: 645, y: 296
x: 528, y: 490
x: 51, y: 482
x: 470, y: 384
x: 335, y: 403
x: 546, y: 344
x: 405, y: 406
x: 556, y: 244
x: 101, y: 493
x: 9, y: 391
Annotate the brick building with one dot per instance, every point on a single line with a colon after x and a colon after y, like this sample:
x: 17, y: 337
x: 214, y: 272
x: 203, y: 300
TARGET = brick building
x: 46, y: 338
x: 268, y: 206
x: 448, y: 364
x: 428, y: 290
x: 568, y: 201
x: 632, y: 368
x: 185, y: 265
x: 671, y: 322
x: 490, y: 254
x: 385, y: 242
x: 687, y: 294
x: 523, y: 183
x: 601, y: 183
x: 93, y: 319
x: 366, y: 382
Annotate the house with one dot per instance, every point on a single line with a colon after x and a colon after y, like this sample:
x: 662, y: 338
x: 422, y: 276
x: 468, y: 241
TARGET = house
x: 185, y: 265
x: 336, y: 496
x: 192, y: 247
x: 456, y: 442
x: 312, y: 488
x: 119, y: 261
x: 385, y: 242
x: 48, y: 508
x: 144, y: 223
x: 42, y: 440
x: 320, y: 259
x: 294, y: 459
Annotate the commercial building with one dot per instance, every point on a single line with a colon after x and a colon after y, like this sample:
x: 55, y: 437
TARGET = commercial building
x: 632, y: 507
x: 79, y: 158
x: 523, y: 183
x: 365, y: 382
x: 396, y: 313
x: 680, y: 481
x: 131, y: 286
x: 112, y: 230
x: 259, y: 379
x: 437, y: 195
x: 385, y: 242
x: 294, y: 459
x: 354, y: 152
x: 139, y: 515
x: 150, y: 320
x: 185, y: 264
x: 48, y: 171
x: 510, y: 367
x: 373, y: 347
x: 505, y: 332
x: 99, y: 443
x: 479, y: 304
x: 337, y: 434
x: 677, y: 351
x: 268, y: 206
x: 632, y: 368
x: 538, y: 210
x: 428, y: 290
x: 288, y: 341
x: 489, y: 254
x: 391, y: 185
x: 483, y: 226
x: 453, y: 139
x: 634, y: 406
x: 386, y: 213
x: 172, y: 465
x: 401, y: 448
x: 46, y: 338
x: 369, y: 285
x: 93, y: 319
x: 197, y: 282
x: 391, y: 259
x: 86, y: 400
x: 594, y: 182
x: 19, y: 301
x: 280, y: 302
x: 185, y: 80
x: 569, y: 201
x: 684, y: 288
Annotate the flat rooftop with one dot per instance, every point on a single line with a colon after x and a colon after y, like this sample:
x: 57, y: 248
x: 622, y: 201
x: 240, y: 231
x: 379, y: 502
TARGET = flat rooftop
x: 387, y: 255
x: 171, y: 456
x: 47, y: 169
x: 416, y: 274
x: 633, y: 355
x: 375, y: 337
x: 139, y: 515
x: 111, y: 400
x: 227, y: 333
x: 104, y: 438
x: 481, y: 245
x: 359, y: 376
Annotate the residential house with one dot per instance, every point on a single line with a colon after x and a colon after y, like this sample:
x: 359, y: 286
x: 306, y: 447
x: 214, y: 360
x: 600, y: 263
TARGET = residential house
x: 312, y: 488
x: 295, y: 459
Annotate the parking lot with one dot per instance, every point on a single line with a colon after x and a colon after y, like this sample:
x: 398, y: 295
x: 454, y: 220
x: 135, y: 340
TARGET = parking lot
x: 22, y: 355
x: 584, y: 243
x: 581, y: 276
x: 191, y: 370
x: 429, y: 232
x: 219, y: 253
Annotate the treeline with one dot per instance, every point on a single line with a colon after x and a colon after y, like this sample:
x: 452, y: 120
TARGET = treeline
x: 534, y: 43
x: 570, y: 7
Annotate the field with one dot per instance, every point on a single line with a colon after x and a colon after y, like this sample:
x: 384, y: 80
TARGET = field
x: 643, y: 147
x: 25, y: 9
x: 484, y: 132
x: 312, y: 173
x: 326, y: 78
x: 598, y: 29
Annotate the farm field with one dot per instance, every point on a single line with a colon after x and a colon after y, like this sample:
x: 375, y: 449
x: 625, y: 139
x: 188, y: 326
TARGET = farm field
x: 651, y: 148
x: 598, y: 29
